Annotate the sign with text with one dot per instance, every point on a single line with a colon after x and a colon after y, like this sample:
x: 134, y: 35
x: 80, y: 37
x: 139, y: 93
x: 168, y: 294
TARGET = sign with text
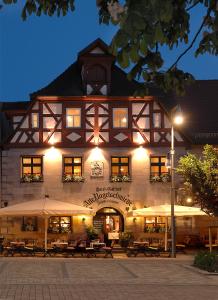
x: 108, y: 194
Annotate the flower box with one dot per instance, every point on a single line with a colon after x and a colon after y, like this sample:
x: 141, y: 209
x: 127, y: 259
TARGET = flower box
x: 160, y: 178
x: 32, y: 178
x: 73, y: 178
x: 120, y: 178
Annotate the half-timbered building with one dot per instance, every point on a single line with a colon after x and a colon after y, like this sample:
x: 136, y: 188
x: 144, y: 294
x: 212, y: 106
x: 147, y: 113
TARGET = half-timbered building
x: 85, y: 139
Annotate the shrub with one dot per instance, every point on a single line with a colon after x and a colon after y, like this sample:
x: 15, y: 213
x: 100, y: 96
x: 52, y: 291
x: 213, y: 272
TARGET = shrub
x: 207, y: 261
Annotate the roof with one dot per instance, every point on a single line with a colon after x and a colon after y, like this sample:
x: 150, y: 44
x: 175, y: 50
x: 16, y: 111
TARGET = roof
x: 200, y: 103
x: 10, y: 106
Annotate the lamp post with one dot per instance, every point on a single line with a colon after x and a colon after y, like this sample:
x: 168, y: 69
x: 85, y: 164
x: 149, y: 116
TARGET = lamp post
x: 177, y: 119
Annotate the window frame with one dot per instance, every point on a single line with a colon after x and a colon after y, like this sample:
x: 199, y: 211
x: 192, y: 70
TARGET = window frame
x: 31, y: 165
x: 80, y: 115
x: 59, y: 224
x: 158, y: 164
x: 127, y: 117
x: 72, y: 164
x: 119, y: 164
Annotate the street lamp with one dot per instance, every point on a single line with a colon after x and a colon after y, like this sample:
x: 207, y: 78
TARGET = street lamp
x: 177, y: 119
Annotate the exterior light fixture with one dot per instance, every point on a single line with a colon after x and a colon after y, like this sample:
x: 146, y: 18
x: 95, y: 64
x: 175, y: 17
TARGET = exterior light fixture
x: 83, y: 219
x: 134, y: 220
x: 178, y: 118
x: 189, y: 200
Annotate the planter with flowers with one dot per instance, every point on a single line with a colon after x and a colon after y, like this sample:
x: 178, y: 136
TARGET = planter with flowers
x: 120, y: 178
x: 160, y: 178
x: 32, y: 178
x: 73, y: 178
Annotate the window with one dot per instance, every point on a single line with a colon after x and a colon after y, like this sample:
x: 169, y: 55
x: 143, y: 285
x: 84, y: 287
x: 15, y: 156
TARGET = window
x: 31, y: 168
x: 29, y: 224
x: 35, y: 120
x: 120, y: 117
x: 59, y: 224
x: 120, y: 166
x: 73, y: 166
x: 73, y: 117
x: 159, y: 171
x: 154, y: 224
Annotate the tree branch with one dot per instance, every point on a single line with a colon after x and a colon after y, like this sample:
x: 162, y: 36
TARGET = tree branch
x: 193, y: 41
x: 193, y: 5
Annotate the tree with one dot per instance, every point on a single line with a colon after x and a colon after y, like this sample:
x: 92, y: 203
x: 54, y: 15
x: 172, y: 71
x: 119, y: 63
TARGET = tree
x: 200, y: 176
x: 144, y: 27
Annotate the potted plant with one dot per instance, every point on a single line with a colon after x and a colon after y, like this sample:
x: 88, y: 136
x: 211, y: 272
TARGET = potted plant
x: 92, y: 233
x: 125, y: 238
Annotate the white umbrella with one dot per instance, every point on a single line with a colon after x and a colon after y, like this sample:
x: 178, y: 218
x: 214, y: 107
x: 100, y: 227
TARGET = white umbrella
x: 165, y: 211
x: 45, y: 207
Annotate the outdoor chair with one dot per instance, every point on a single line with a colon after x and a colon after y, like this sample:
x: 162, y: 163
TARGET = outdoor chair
x: 81, y: 247
x: 108, y: 250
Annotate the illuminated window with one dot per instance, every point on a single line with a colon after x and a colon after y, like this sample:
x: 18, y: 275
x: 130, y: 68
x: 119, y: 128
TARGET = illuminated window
x: 73, y: 166
x: 120, y: 117
x: 35, y: 120
x: 59, y: 224
x: 31, y: 168
x: 158, y: 165
x: 119, y: 166
x: 73, y: 117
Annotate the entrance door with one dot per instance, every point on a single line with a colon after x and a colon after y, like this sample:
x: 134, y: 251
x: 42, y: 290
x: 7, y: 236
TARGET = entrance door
x: 107, y: 220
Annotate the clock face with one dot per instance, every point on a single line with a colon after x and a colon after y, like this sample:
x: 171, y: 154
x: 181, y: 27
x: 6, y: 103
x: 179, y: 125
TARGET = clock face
x: 97, y: 169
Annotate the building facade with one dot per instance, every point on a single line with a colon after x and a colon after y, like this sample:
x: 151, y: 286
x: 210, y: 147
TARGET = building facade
x: 86, y: 140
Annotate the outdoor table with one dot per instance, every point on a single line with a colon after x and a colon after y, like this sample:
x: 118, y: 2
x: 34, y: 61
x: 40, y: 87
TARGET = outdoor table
x: 135, y: 243
x: 59, y: 244
x: 17, y: 243
x: 97, y: 245
x: 213, y: 245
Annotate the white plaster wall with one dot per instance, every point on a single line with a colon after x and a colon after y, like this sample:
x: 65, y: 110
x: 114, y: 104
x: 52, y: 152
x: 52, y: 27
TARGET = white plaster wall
x: 140, y: 191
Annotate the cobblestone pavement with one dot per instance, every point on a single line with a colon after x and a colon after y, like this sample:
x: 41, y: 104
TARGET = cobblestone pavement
x: 98, y: 278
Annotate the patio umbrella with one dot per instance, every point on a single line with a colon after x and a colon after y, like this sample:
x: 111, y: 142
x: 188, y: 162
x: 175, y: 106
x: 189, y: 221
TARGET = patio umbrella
x: 45, y: 207
x: 165, y: 211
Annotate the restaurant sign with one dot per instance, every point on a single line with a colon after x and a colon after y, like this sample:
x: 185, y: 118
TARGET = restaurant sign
x: 108, y: 194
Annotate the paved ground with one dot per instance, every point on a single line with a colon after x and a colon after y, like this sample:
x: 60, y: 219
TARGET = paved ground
x: 98, y: 278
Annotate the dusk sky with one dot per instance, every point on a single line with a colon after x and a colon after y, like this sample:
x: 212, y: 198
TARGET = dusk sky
x: 34, y: 52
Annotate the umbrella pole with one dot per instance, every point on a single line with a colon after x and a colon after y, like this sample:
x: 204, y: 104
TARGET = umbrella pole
x: 210, y: 239
x: 166, y: 234
x: 46, y: 232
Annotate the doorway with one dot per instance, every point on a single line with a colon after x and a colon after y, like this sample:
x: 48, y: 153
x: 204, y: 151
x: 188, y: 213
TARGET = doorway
x: 107, y: 220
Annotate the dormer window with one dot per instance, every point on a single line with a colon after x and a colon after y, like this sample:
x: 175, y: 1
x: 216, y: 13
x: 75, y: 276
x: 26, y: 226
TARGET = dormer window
x: 96, y: 78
